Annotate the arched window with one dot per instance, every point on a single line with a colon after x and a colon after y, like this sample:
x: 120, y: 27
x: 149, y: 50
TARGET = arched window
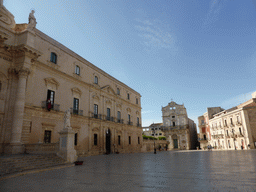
x: 53, y: 58
x: 118, y: 91
x: 95, y: 79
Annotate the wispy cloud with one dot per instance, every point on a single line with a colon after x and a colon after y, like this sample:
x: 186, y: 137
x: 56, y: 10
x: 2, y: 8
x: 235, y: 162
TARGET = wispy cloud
x: 146, y: 112
x: 214, y: 11
x: 155, y: 34
x: 234, y: 101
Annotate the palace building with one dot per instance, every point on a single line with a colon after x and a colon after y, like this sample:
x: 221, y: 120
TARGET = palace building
x: 40, y: 79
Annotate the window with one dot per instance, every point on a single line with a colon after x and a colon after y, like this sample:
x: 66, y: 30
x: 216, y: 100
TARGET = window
x: 95, y: 109
x: 119, y: 140
x: 138, y: 121
x: 173, y: 116
x: 47, y: 136
x: 95, y: 139
x: 129, y: 117
x: 173, y: 123
x: 118, y: 91
x: 240, y: 131
x: 50, y: 99
x: 77, y: 70
x: 129, y: 140
x: 128, y: 96
x: 118, y: 116
x: 152, y: 134
x: 53, y: 58
x: 0, y: 86
x: 225, y: 122
x: 138, y: 140
x: 75, y: 106
x: 108, y: 113
x: 231, y: 121
x: 229, y: 144
x: 204, y: 137
x: 96, y: 80
x: 227, y: 132
x: 137, y: 101
x: 75, y: 139
x: 160, y: 133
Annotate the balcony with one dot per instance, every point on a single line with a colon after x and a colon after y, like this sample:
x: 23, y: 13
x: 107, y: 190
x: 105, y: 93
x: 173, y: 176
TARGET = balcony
x: 108, y: 118
x: 96, y: 116
x: 202, y: 139
x: 129, y: 123
x: 238, y: 123
x: 120, y: 121
x: 54, y: 107
x: 76, y: 111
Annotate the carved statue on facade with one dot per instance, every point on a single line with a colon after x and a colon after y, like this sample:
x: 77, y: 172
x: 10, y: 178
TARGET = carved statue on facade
x: 31, y: 20
x: 67, y: 119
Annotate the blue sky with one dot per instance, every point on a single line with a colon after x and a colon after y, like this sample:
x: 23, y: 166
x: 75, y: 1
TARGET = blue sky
x: 200, y: 53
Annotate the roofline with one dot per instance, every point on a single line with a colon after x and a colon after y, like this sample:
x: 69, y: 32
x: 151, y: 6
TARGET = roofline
x: 72, y: 53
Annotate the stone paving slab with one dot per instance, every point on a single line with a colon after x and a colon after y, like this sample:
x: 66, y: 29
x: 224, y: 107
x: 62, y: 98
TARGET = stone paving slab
x: 164, y: 171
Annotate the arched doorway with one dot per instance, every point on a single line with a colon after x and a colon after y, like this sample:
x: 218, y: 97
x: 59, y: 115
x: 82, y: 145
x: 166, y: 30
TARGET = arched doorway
x: 175, y: 141
x: 108, y: 141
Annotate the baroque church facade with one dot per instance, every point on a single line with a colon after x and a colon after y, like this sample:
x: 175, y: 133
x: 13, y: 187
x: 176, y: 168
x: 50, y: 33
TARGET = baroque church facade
x: 179, y: 130
x: 40, y: 79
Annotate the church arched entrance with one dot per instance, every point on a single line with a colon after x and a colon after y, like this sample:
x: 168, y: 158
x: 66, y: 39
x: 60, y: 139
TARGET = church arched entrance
x: 175, y: 141
x: 108, y: 141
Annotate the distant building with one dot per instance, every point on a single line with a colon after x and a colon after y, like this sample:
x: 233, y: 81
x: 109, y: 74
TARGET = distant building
x: 179, y: 130
x: 231, y: 129
x: 154, y: 130
x: 204, y: 127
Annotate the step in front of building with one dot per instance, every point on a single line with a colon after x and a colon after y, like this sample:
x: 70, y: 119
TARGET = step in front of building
x: 19, y: 163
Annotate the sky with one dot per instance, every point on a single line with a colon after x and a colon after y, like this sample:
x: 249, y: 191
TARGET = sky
x: 200, y: 53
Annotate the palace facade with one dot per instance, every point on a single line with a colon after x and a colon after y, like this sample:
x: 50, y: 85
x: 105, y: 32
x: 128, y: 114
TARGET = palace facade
x: 40, y: 79
x: 231, y: 129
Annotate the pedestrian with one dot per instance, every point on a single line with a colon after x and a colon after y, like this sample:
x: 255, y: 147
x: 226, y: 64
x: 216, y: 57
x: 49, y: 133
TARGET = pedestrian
x: 249, y: 146
x: 242, y: 147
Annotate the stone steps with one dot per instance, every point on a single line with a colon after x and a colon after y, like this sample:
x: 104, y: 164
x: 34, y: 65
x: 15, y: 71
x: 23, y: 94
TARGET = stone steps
x: 19, y: 163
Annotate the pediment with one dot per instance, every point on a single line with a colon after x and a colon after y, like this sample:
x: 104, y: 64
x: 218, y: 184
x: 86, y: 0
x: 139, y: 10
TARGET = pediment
x: 118, y: 105
x: 108, y: 89
x: 76, y: 90
x: 51, y: 80
x: 96, y: 97
x: 128, y: 109
x: 96, y: 129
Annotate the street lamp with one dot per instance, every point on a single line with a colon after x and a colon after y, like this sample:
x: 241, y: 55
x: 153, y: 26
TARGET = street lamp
x: 154, y: 140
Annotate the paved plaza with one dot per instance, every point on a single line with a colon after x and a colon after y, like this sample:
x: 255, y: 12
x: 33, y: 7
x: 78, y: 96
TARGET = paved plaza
x: 165, y: 171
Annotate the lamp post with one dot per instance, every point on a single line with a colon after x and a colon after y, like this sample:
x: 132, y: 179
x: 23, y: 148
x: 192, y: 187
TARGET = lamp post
x: 154, y: 140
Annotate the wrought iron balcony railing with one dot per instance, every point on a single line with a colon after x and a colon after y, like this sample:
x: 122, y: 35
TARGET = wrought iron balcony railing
x: 120, y: 121
x: 96, y: 116
x: 129, y: 123
x: 108, y: 118
x: 76, y: 111
x: 54, y: 106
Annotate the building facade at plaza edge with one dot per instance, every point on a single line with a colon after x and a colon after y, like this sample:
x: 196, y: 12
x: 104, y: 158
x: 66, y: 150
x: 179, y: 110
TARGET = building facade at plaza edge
x: 179, y: 130
x: 231, y: 129
x: 40, y: 79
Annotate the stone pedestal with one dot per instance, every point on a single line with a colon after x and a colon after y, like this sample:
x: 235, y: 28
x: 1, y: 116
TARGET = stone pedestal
x: 67, y: 150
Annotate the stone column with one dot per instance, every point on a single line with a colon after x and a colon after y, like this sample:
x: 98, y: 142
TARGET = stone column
x: 15, y: 144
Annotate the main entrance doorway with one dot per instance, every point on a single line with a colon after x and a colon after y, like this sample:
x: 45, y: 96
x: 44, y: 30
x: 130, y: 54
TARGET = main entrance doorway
x: 175, y: 143
x: 108, y: 142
